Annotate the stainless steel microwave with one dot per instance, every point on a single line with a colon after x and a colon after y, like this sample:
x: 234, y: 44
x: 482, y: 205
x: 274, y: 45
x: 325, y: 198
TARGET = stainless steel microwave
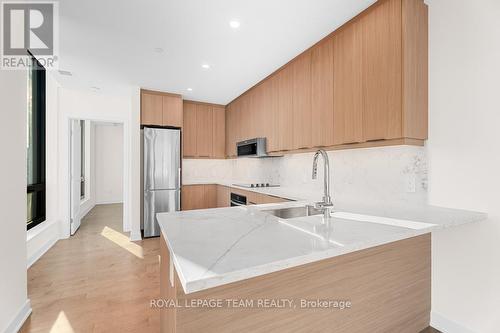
x: 251, y: 148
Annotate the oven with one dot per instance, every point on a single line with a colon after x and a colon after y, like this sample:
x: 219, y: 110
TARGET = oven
x: 238, y: 200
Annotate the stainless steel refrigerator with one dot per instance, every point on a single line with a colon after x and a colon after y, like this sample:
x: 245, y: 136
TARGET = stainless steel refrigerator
x: 162, y: 175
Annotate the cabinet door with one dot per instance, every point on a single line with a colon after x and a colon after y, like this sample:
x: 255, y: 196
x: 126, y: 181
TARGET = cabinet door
x: 257, y: 110
x: 209, y: 196
x: 204, y: 124
x: 322, y: 94
x: 347, y: 87
x: 189, y: 130
x: 172, y: 111
x: 193, y: 197
x: 271, y: 116
x: 151, y: 109
x: 382, y: 100
x: 284, y: 125
x: 302, y: 101
x: 219, y: 131
x: 223, y: 196
x: 230, y: 131
x: 245, y: 117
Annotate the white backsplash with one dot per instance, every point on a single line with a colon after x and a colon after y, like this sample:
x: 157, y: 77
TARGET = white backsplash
x: 383, y: 174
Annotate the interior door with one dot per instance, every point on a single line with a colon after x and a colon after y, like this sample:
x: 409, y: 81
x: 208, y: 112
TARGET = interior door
x: 75, y: 174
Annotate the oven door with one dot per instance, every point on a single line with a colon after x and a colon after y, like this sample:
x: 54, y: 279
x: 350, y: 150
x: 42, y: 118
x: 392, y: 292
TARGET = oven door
x: 238, y: 200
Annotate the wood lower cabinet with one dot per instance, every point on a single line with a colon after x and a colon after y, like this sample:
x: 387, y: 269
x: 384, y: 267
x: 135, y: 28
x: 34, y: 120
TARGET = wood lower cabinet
x: 212, y: 196
x: 198, y: 197
x: 204, y: 130
x: 161, y: 109
x: 223, y: 196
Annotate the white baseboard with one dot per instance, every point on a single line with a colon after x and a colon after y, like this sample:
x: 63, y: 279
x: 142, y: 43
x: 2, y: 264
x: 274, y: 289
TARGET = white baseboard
x: 86, y: 210
x: 21, y: 316
x: 110, y: 202
x: 38, y: 254
x: 446, y: 325
x: 135, y: 236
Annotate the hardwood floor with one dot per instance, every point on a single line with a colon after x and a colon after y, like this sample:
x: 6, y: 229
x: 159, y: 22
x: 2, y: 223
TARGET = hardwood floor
x: 96, y: 281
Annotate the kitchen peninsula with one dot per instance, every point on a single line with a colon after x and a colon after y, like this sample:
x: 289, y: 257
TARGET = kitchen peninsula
x: 379, y: 264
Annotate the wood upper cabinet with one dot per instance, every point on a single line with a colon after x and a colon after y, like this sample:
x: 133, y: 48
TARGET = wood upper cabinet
x: 347, y: 85
x: 301, y: 106
x: 204, y: 130
x: 367, y: 81
x: 270, y: 126
x: 172, y: 110
x: 322, y: 96
x: 161, y: 109
x: 230, y: 131
x: 219, y: 132
x: 415, y: 69
x: 382, y: 72
x: 189, y: 130
x: 284, y: 126
x: 151, y: 109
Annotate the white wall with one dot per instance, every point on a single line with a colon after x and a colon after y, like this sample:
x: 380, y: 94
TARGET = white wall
x: 14, y: 305
x: 125, y: 109
x: 108, y: 163
x: 374, y: 175
x: 464, y: 161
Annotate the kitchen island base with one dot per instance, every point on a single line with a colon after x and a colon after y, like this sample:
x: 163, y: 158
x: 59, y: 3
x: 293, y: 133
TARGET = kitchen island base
x: 388, y: 288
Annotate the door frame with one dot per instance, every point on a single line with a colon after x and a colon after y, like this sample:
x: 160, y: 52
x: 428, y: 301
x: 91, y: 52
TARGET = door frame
x: 126, y: 225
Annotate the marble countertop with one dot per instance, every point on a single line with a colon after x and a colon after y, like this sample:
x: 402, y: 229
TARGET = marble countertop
x: 214, y: 247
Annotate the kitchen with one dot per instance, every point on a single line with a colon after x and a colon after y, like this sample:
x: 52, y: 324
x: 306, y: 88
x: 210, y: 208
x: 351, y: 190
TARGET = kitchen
x: 340, y: 180
x: 362, y: 90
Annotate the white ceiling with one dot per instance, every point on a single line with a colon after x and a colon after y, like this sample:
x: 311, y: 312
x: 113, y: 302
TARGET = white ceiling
x: 111, y: 43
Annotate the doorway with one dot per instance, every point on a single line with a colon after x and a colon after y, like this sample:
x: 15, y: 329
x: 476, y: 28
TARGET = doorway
x: 96, y: 170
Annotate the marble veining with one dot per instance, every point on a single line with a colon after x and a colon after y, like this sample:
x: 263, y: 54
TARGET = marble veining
x: 214, y: 247
x: 382, y: 174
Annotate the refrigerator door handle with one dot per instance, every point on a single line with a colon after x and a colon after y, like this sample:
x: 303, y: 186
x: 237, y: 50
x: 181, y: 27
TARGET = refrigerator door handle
x: 178, y: 200
x: 179, y: 178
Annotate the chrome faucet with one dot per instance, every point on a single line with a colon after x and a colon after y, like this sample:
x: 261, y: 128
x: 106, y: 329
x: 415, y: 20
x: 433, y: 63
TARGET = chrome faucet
x: 327, y: 200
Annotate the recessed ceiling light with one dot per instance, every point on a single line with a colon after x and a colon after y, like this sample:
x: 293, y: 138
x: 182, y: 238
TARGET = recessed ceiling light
x: 67, y: 73
x: 205, y: 66
x: 234, y: 24
x: 189, y: 89
x: 158, y: 50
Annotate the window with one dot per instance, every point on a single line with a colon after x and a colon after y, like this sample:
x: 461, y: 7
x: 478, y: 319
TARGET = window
x: 82, y: 159
x: 36, y: 144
